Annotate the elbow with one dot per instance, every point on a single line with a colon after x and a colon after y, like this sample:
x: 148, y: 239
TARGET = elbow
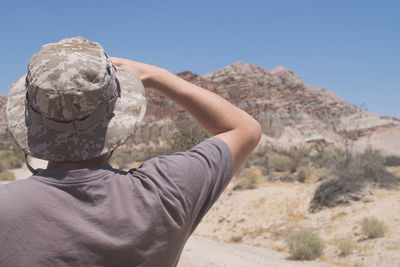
x: 254, y: 131
x: 250, y: 134
x: 257, y: 133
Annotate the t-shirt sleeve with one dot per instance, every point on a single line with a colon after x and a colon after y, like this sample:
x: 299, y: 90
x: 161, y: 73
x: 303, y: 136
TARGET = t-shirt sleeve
x: 196, y: 177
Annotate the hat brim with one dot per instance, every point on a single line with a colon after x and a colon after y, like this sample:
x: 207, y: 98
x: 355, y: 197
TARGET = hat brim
x: 45, y: 143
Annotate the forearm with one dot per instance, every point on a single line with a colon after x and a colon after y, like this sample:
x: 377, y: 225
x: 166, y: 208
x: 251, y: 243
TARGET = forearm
x: 213, y: 112
x: 221, y: 119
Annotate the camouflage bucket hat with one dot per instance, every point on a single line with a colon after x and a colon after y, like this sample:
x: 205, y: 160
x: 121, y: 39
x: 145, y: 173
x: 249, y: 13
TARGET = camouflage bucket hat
x: 74, y: 104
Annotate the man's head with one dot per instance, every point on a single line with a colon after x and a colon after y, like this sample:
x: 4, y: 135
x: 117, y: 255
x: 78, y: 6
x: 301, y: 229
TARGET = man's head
x: 73, y: 104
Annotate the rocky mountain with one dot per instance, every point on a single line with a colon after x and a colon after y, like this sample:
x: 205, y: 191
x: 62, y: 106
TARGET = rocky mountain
x: 289, y: 111
x: 4, y: 136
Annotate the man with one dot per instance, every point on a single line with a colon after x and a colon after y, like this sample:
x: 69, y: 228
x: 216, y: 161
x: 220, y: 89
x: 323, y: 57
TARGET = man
x: 73, y: 108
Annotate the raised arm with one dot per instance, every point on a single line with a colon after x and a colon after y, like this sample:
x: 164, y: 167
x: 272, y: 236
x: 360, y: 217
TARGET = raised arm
x: 240, y: 131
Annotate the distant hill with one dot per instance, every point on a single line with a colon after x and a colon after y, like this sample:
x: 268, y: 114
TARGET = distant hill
x: 289, y: 111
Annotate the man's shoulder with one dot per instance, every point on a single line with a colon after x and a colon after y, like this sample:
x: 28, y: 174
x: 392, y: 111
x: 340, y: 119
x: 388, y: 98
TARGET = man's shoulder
x: 14, y: 197
x: 15, y: 185
x: 15, y: 188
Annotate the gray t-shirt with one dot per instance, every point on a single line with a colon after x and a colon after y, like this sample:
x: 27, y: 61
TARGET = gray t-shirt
x: 107, y: 217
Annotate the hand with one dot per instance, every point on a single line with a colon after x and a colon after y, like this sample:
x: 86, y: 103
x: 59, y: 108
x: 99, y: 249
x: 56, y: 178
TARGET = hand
x: 145, y: 72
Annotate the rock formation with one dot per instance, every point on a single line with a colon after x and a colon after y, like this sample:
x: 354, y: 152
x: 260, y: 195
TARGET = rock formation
x: 289, y: 111
x: 4, y: 136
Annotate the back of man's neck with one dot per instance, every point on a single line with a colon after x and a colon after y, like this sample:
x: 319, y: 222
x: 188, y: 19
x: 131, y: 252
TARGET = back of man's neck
x: 72, y: 165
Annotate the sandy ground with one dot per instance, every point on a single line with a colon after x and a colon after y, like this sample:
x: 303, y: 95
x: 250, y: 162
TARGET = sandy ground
x: 265, y: 216
x: 205, y: 252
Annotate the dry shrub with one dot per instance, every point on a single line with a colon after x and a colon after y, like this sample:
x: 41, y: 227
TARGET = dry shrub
x: 303, y: 172
x: 392, y: 161
x: 274, y: 159
x: 349, y: 177
x: 187, y: 137
x: 7, y: 176
x: 259, y: 157
x: 346, y: 246
x: 372, y: 227
x: 332, y: 192
x: 124, y: 157
x: 281, y: 163
x: 249, y: 178
x: 328, y: 158
x: 373, y: 170
x: 11, y: 158
x: 236, y: 239
x: 305, y: 245
x: 300, y: 155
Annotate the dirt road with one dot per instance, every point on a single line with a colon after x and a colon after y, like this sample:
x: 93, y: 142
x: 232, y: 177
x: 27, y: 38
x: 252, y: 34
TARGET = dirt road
x: 205, y: 252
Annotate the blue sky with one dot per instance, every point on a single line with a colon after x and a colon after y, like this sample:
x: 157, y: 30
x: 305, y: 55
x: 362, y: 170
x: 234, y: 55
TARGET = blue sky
x: 350, y: 47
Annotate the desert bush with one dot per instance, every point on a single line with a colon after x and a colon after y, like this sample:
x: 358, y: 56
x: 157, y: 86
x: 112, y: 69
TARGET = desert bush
x: 184, y: 139
x: 392, y: 161
x: 332, y: 192
x: 277, y: 159
x: 258, y: 158
x: 346, y: 246
x: 305, y: 245
x: 367, y: 167
x: 249, y: 178
x: 281, y: 163
x: 349, y: 177
x: 328, y: 158
x: 302, y: 173
x: 300, y: 155
x: 319, y: 145
x: 7, y: 176
x: 124, y: 157
x: 187, y: 137
x: 373, y: 168
x: 236, y: 239
x: 11, y: 158
x: 372, y: 227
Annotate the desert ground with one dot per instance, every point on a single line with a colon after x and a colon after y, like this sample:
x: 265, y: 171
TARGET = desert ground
x: 204, y: 252
x: 264, y: 216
